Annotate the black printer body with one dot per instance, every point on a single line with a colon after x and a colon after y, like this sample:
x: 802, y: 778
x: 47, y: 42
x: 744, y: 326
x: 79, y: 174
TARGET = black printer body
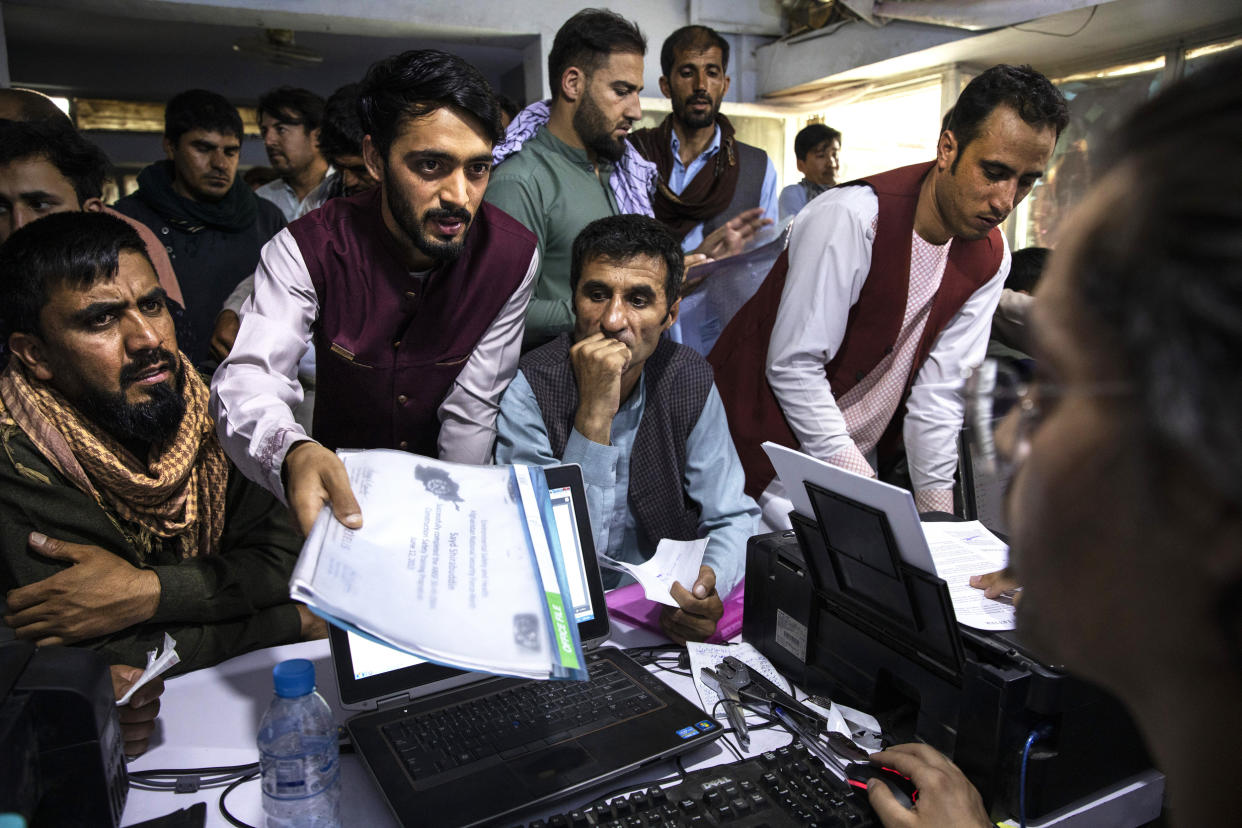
x: 880, y: 635
x: 61, y: 752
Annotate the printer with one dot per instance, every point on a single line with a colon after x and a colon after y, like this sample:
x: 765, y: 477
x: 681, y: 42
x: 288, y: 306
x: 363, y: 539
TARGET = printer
x: 61, y: 752
x: 833, y: 605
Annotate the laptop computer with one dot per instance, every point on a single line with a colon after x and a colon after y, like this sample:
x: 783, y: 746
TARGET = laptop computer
x: 454, y: 748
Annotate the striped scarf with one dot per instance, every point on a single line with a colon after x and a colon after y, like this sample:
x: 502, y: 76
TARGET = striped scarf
x: 178, y: 492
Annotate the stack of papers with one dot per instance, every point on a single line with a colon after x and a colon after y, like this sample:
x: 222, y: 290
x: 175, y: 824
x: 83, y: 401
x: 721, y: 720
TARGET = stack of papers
x: 959, y: 551
x: 454, y: 564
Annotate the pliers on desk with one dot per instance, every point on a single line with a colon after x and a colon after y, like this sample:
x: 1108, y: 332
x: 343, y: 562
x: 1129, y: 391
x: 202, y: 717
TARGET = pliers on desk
x: 732, y: 704
x: 757, y: 688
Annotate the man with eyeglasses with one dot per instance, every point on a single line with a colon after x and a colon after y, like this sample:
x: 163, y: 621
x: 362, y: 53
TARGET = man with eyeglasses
x: 856, y: 341
x: 1126, y: 513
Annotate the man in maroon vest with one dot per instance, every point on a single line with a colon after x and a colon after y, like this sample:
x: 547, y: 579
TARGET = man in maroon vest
x: 884, y: 294
x: 412, y: 294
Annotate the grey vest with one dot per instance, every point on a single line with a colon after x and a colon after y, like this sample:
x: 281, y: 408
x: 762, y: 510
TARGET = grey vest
x: 752, y: 167
x: 676, y: 381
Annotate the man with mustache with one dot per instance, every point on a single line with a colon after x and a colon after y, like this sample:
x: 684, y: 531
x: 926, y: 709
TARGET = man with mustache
x: 857, y: 339
x: 412, y: 295
x: 122, y: 519
x: 558, y: 169
x: 211, y: 223
x: 639, y: 413
x: 290, y: 120
x: 706, y: 176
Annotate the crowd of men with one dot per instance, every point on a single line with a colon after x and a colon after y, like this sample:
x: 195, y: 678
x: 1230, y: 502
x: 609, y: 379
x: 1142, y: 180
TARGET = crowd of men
x: 432, y: 273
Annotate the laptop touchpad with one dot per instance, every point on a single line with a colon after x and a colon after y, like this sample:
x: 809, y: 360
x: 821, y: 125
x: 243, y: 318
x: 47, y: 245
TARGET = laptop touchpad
x: 554, y: 768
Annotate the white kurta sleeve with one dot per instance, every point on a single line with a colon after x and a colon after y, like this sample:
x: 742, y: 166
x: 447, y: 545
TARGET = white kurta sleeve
x: 255, y: 389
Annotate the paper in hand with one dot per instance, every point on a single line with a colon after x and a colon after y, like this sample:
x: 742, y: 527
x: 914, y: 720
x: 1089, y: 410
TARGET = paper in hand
x: 673, y: 561
x: 157, y: 665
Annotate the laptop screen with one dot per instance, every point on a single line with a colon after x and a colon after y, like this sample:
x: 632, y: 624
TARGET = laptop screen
x: 367, y: 671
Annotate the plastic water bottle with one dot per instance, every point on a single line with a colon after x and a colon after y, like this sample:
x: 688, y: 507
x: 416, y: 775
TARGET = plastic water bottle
x: 298, y: 752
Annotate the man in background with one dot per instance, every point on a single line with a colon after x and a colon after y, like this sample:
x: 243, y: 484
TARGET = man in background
x: 818, y: 150
x: 558, y: 178
x: 212, y: 224
x: 706, y: 176
x: 289, y: 124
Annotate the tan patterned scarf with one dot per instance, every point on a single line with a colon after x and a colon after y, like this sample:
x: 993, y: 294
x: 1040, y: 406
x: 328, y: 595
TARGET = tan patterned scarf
x: 178, y: 493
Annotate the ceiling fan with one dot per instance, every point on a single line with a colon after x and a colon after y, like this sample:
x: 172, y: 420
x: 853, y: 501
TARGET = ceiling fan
x: 277, y: 46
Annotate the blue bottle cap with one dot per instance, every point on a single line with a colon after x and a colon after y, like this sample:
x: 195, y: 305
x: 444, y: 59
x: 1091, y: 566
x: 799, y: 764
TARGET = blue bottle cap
x: 293, y: 678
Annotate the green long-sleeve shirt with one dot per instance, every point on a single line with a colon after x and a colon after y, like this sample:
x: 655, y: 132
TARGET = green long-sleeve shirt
x: 553, y: 189
x: 215, y: 606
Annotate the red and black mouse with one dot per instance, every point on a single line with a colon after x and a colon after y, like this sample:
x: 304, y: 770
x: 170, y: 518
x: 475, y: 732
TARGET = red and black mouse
x: 857, y: 774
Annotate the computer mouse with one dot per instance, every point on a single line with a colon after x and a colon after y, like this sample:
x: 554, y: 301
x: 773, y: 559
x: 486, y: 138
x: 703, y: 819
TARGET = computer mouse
x: 857, y: 774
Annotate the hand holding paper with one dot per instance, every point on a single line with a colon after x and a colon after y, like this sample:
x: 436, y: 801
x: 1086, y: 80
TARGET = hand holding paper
x: 673, y: 562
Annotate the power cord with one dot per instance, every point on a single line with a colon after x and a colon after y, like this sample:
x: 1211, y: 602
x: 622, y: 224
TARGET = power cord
x: 1035, y: 735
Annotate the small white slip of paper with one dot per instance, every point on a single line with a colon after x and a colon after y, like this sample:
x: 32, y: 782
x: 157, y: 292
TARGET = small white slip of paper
x: 673, y: 561
x: 157, y: 664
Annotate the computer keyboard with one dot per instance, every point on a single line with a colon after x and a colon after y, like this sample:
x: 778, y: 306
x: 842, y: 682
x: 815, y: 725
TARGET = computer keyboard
x: 780, y: 788
x: 516, y: 720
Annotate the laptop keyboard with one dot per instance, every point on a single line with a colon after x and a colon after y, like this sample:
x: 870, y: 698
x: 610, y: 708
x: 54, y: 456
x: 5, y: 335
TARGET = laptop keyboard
x: 457, y: 739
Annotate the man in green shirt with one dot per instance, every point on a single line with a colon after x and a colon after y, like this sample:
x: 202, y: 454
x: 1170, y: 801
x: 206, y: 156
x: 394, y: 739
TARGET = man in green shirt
x: 558, y: 182
x: 121, y: 519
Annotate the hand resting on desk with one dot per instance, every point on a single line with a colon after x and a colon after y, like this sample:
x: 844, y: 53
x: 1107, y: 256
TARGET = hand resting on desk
x: 946, y: 797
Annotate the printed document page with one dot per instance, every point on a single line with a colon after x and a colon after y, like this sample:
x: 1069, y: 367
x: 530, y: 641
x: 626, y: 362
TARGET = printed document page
x: 442, y: 567
x: 959, y: 551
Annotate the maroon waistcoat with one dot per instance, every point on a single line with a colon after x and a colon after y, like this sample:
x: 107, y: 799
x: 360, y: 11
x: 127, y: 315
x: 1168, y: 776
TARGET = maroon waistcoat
x: 871, y: 331
x: 387, y: 347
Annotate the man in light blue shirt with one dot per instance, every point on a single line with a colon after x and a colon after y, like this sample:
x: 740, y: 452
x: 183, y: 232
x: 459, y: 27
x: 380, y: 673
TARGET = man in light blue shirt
x: 640, y: 414
x: 706, y: 176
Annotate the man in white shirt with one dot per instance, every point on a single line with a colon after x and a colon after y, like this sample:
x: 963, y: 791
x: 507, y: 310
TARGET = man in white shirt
x: 289, y: 122
x: 858, y: 338
x: 413, y: 295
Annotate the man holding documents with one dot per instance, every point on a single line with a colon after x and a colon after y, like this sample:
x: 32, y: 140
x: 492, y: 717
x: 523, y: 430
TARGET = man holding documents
x: 412, y: 294
x: 640, y: 414
x: 120, y: 517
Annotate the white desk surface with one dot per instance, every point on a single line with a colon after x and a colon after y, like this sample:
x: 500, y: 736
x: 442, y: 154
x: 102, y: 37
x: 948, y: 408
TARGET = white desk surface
x: 211, y: 717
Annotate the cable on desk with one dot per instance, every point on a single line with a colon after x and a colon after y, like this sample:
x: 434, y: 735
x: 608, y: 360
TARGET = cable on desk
x: 188, y: 780
x: 224, y: 810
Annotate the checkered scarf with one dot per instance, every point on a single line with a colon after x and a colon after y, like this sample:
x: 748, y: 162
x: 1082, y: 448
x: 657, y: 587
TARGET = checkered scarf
x: 177, y: 492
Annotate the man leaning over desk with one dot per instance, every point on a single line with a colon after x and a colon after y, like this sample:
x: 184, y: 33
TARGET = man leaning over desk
x: 640, y: 414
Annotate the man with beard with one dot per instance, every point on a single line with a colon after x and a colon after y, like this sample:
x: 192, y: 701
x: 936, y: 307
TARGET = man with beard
x: 412, y: 295
x: 122, y: 518
x: 212, y: 224
x: 706, y: 176
x: 559, y: 181
x: 853, y: 347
